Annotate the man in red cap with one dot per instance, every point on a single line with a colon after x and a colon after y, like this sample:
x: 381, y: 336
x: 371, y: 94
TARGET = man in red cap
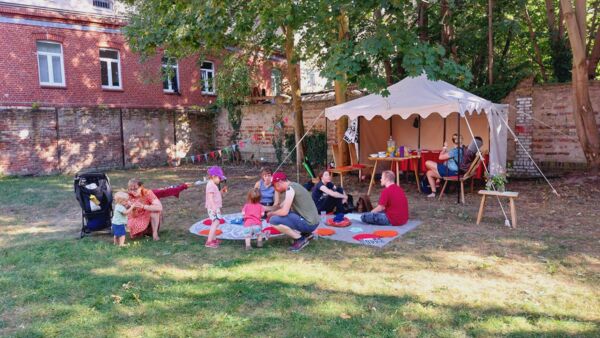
x: 298, y: 216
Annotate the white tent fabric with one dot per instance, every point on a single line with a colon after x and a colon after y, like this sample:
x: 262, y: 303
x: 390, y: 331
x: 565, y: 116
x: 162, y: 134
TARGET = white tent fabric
x: 419, y: 95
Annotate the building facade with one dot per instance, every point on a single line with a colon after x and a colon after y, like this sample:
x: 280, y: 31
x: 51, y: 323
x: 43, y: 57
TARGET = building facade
x: 73, y: 96
x: 73, y: 53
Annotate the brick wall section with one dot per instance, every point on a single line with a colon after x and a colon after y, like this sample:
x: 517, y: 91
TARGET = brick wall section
x: 542, y: 118
x: 28, y: 141
x: 258, y: 126
x: 89, y: 138
x: 32, y: 143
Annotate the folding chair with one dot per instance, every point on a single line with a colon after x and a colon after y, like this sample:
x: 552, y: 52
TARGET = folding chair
x: 354, y: 162
x: 467, y: 175
x: 335, y: 149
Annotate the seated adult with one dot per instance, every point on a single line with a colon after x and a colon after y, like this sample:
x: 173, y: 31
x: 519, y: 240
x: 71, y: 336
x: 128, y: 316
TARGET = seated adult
x: 145, y: 217
x: 327, y: 196
x: 298, y: 216
x: 392, y: 208
x: 268, y: 198
x: 470, y: 154
x: 436, y: 171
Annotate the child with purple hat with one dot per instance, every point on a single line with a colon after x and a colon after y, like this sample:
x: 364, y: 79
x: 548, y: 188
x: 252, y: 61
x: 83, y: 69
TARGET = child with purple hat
x: 214, y: 203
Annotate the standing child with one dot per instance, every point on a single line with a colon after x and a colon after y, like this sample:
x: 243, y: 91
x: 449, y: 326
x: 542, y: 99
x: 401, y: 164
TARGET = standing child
x: 252, y: 213
x: 120, y: 217
x: 214, y: 203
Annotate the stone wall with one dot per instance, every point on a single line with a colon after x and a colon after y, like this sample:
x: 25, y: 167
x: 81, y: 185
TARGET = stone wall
x: 258, y: 125
x: 53, y: 140
x: 542, y: 118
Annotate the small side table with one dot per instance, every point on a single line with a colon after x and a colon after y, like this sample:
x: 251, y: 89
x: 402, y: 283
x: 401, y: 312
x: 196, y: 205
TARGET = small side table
x: 511, y: 195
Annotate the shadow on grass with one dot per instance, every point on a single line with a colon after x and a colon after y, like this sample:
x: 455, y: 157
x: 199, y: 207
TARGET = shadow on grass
x: 90, y: 288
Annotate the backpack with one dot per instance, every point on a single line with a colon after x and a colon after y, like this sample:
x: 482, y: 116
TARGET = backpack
x: 364, y: 204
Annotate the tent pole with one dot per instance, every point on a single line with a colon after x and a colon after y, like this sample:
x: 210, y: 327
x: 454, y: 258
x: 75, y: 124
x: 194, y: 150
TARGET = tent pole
x: 419, y: 141
x: 458, y: 172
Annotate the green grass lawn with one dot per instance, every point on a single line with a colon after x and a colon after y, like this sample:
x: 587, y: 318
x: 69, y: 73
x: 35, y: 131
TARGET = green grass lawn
x: 448, y: 278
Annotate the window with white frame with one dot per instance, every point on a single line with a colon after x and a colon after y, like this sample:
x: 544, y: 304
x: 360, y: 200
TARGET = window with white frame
x: 110, y: 69
x: 170, y: 73
x: 207, y: 77
x: 50, y: 63
x: 276, y: 81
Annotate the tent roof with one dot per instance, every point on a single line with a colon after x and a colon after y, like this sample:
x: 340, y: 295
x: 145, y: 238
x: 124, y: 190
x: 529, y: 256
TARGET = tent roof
x: 414, y: 95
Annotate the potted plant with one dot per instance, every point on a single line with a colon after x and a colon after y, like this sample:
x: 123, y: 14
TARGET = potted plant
x: 496, y: 182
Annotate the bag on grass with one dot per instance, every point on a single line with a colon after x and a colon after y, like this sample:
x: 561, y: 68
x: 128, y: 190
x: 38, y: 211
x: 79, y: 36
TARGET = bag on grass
x: 364, y: 204
x: 425, y: 187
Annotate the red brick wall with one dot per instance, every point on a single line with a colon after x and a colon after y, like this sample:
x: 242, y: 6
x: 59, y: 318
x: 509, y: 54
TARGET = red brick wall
x: 28, y: 141
x: 89, y: 138
x: 551, y: 127
x: 259, y: 118
x: 141, y: 82
x: 32, y: 143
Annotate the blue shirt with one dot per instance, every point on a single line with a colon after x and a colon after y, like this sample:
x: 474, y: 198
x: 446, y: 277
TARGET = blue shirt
x: 267, y: 194
x: 452, y: 162
x: 118, y: 215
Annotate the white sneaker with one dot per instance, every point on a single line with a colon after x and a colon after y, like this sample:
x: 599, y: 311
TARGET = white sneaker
x: 432, y: 195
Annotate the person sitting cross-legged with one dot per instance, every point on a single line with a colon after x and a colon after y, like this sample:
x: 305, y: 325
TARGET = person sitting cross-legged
x: 327, y: 196
x: 392, y: 208
x: 297, y: 217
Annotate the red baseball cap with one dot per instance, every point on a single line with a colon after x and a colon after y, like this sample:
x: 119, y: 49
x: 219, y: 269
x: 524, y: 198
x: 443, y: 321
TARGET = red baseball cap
x: 279, y: 176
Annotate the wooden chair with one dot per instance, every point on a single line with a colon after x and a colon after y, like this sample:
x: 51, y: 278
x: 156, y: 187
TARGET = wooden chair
x: 354, y: 162
x: 340, y: 170
x: 467, y: 175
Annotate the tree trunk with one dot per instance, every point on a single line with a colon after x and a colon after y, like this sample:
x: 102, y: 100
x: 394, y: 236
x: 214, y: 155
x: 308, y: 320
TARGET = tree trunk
x: 551, y: 16
x: 423, y: 21
x: 387, y: 64
x: 292, y: 68
x: 447, y: 37
x: 536, y: 48
x: 594, y: 57
x: 340, y: 96
x: 583, y: 114
x: 490, y: 42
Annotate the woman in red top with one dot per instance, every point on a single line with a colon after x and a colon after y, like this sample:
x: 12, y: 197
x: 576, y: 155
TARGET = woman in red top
x: 147, y: 209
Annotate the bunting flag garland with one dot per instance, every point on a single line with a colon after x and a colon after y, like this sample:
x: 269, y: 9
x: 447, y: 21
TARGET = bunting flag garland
x: 219, y: 153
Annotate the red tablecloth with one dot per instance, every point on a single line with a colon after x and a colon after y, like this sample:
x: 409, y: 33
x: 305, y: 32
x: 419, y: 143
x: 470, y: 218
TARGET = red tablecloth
x: 434, y: 155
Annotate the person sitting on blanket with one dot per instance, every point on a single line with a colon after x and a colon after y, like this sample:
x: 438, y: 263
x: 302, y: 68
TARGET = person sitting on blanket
x: 435, y: 170
x: 269, y: 199
x: 327, y: 196
x: 298, y: 216
x: 392, y: 208
x: 147, y: 209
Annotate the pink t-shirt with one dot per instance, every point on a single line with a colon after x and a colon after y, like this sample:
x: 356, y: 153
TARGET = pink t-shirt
x: 211, y: 188
x: 252, y: 214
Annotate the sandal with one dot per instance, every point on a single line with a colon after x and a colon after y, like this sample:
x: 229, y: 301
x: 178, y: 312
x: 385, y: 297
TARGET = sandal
x: 212, y: 244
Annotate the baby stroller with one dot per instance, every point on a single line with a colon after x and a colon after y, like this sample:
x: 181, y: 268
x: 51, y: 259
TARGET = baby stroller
x: 94, y: 194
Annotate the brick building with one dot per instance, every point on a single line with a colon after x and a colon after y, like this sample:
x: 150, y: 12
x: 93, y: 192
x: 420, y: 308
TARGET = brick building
x: 74, y: 96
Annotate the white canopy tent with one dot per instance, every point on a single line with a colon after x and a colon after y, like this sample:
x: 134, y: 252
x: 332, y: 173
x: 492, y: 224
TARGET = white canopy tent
x: 423, y: 97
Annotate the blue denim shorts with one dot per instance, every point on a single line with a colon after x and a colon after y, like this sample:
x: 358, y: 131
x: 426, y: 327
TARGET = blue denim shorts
x: 252, y: 230
x: 444, y: 171
x: 118, y: 230
x: 295, y: 222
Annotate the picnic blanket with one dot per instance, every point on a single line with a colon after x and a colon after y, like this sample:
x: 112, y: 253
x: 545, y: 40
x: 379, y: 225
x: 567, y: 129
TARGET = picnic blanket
x: 357, y: 233
x: 229, y: 229
x: 366, y: 234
